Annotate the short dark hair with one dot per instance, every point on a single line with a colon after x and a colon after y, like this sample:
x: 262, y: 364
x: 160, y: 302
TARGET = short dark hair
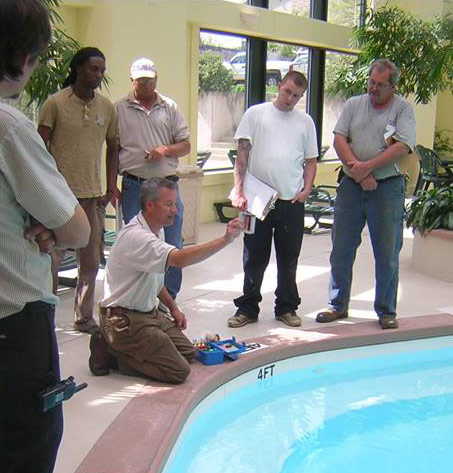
x: 81, y: 57
x: 149, y: 190
x: 384, y: 64
x: 24, y: 30
x: 297, y: 77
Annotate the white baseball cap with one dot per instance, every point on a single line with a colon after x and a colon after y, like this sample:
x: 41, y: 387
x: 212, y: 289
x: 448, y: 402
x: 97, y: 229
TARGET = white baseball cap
x: 143, y: 67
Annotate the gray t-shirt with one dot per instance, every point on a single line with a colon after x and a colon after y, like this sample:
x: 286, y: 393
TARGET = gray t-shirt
x: 369, y: 130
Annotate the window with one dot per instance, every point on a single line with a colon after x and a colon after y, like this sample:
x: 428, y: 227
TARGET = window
x: 333, y: 102
x: 281, y: 58
x: 294, y: 7
x: 221, y: 97
x: 345, y: 12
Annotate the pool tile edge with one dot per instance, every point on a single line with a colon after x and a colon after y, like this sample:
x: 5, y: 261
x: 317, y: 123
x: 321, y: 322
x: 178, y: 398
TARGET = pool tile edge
x: 140, y: 438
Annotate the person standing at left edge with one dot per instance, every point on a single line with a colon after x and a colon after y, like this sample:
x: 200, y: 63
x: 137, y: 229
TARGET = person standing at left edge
x: 153, y: 136
x: 74, y: 123
x: 37, y: 212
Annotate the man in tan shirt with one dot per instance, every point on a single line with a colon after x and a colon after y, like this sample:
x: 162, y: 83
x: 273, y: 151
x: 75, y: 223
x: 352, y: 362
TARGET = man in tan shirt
x: 74, y: 123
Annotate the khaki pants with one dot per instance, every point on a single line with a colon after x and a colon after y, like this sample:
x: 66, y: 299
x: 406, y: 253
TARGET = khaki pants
x: 148, y: 344
x: 88, y: 260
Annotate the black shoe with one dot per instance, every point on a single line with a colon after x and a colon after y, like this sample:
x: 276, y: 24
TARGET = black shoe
x: 100, y: 359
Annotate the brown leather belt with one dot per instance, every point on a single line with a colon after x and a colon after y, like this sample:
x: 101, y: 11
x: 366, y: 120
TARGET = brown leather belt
x: 122, y: 311
x: 172, y: 177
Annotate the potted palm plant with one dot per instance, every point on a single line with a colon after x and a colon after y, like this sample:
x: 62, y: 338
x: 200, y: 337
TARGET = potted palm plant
x: 431, y: 217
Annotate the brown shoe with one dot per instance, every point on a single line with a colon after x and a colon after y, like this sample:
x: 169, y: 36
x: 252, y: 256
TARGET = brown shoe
x: 290, y: 318
x: 100, y: 359
x: 330, y: 315
x: 86, y: 326
x: 388, y: 321
x: 239, y: 320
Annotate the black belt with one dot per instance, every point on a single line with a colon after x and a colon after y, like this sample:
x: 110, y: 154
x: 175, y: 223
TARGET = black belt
x: 172, y: 177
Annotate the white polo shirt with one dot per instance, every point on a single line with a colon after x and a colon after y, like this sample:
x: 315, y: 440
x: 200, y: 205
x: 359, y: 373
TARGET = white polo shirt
x: 136, y: 267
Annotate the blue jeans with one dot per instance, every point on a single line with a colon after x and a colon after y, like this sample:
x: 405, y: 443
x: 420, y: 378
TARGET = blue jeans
x: 130, y: 205
x: 286, y: 224
x: 383, y: 210
x: 29, y: 438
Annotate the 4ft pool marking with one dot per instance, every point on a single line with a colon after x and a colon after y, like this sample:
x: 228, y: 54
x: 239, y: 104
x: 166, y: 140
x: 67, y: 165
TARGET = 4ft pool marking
x: 266, y: 372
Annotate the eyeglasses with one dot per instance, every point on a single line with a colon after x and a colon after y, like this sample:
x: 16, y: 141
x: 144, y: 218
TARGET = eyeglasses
x: 378, y: 85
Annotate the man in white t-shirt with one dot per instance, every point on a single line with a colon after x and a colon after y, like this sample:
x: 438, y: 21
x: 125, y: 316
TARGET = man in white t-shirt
x: 144, y: 340
x: 277, y: 144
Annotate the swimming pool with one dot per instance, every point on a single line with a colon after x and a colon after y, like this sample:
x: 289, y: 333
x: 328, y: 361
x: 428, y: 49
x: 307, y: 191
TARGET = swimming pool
x: 383, y: 408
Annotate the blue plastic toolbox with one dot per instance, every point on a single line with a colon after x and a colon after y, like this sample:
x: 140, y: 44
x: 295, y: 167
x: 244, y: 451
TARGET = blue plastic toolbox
x: 208, y: 354
x: 231, y: 348
x: 212, y: 353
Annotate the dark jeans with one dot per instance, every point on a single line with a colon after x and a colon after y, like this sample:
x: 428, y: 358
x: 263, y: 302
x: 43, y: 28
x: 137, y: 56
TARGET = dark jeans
x: 286, y: 224
x: 29, y: 439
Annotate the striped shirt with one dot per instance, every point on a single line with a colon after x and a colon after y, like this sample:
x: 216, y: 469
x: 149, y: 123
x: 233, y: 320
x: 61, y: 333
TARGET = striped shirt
x: 30, y: 188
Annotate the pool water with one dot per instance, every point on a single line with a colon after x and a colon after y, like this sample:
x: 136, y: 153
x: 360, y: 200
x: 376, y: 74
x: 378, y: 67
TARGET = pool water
x: 373, y: 409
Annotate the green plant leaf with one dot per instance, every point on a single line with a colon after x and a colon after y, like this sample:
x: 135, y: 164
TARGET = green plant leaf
x: 422, y: 50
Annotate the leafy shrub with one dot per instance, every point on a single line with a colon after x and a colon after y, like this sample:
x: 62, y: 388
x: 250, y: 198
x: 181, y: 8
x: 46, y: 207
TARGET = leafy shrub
x: 443, y: 145
x: 422, y: 50
x: 213, y: 76
x: 53, y: 66
x: 431, y: 210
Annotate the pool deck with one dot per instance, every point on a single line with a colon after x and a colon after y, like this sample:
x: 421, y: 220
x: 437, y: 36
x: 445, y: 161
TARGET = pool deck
x: 141, y: 437
x: 123, y: 424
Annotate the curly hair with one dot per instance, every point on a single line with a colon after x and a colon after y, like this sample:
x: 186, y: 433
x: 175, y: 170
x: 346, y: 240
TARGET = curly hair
x: 80, y: 57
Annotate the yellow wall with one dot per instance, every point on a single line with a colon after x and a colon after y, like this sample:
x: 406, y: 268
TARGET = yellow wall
x: 438, y: 112
x: 168, y: 32
x: 444, y: 115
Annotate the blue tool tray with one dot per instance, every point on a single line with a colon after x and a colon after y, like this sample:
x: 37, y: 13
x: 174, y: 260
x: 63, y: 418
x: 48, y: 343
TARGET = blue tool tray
x: 231, y: 348
x: 213, y: 352
x: 210, y: 355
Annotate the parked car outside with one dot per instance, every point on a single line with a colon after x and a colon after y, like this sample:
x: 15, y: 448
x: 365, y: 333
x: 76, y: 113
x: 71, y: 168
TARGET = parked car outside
x: 300, y: 63
x: 275, y: 70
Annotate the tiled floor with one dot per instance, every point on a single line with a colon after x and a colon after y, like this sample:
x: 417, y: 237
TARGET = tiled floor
x: 206, y: 298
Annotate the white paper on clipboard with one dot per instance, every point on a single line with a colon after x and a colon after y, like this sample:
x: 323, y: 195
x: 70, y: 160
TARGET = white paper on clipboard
x: 260, y: 196
x: 118, y: 217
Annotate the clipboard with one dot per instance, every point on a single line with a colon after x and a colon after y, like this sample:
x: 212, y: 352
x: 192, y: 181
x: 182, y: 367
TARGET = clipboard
x: 260, y: 196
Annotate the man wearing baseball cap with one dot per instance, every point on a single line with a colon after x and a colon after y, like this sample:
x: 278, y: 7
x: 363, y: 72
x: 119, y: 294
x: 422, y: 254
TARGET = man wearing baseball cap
x: 153, y: 135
